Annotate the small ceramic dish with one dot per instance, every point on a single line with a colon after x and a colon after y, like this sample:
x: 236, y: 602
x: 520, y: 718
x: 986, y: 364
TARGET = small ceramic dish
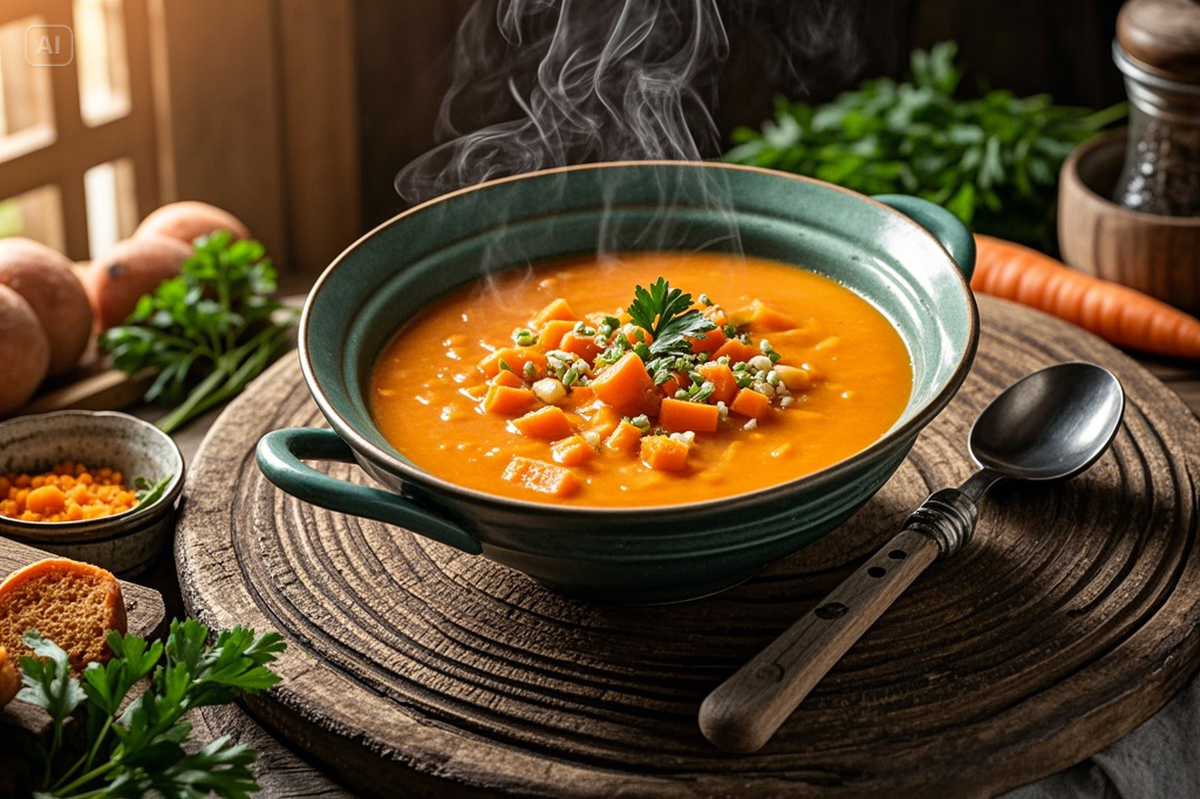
x: 125, y: 543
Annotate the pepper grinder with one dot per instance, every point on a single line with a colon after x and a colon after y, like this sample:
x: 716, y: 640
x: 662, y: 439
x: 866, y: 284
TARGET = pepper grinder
x: 1158, y: 50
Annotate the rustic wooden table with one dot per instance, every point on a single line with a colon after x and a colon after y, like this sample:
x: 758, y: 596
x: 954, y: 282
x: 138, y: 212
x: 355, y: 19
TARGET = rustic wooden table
x: 286, y: 773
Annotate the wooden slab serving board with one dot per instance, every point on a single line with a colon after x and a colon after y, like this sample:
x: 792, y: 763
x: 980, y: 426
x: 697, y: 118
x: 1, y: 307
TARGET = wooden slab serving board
x: 415, y: 670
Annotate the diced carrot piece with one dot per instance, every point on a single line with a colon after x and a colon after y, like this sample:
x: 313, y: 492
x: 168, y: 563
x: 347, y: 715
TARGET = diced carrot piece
x: 749, y: 402
x: 477, y: 392
x: 676, y: 381
x: 515, y: 357
x: 582, y: 394
x: 548, y: 422
x: 663, y: 453
x: 583, y: 346
x: 545, y: 478
x: 507, y: 401
x: 603, y: 420
x: 507, y: 378
x: 761, y: 317
x: 716, y: 315
x: 721, y: 376
x: 624, y: 438
x: 555, y: 310
x: 571, y: 451
x: 737, y: 351
x: 712, y: 341
x: 637, y: 335
x: 679, y: 416
x: 552, y: 332
x: 626, y: 386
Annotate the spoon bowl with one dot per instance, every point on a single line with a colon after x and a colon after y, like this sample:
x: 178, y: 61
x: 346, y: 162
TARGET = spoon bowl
x: 1050, y: 425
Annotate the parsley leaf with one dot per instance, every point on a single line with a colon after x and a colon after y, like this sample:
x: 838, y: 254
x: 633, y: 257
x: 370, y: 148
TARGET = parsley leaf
x: 667, y: 314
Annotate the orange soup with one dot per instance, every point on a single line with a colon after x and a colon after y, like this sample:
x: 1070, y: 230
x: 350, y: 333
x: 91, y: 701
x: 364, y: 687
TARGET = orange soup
x: 648, y: 379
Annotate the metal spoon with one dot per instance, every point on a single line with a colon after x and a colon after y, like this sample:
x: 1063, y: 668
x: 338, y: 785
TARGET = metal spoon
x: 1050, y: 425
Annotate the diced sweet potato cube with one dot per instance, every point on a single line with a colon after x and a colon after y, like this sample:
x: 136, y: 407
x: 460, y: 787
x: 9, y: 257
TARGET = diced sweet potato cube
x: 679, y: 416
x: 507, y: 401
x: 552, y: 332
x: 710, y: 342
x: 583, y: 346
x: 761, y: 317
x: 721, y: 376
x: 625, y: 438
x: 636, y: 334
x: 571, y: 451
x: 663, y: 453
x: 737, y: 351
x: 515, y: 357
x: 507, y: 378
x: 626, y: 386
x: 582, y: 394
x: 716, y: 315
x: 545, y: 478
x: 603, y: 420
x: 676, y: 381
x: 558, y: 309
x: 749, y: 402
x: 549, y: 422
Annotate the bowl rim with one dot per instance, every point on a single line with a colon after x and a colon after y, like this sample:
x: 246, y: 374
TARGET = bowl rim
x: 90, y: 529
x: 830, y: 474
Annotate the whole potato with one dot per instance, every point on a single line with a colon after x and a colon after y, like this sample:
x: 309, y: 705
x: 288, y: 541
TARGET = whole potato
x: 189, y: 219
x: 47, y: 281
x: 133, y: 267
x: 24, y: 351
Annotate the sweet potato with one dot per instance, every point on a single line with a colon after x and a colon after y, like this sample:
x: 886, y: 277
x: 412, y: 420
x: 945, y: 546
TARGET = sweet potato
x: 626, y: 386
x: 571, y: 451
x: 721, y: 376
x: 624, y: 438
x: 507, y: 401
x: 187, y: 220
x: 558, y: 309
x: 506, y: 378
x: 24, y: 351
x: 47, y: 281
x: 133, y: 267
x: 515, y: 357
x: 583, y: 346
x: 551, y: 334
x: 737, y: 351
x: 710, y: 342
x: 749, y: 402
x: 545, y: 478
x: 663, y: 453
x: 761, y: 318
x: 548, y: 422
x: 679, y: 416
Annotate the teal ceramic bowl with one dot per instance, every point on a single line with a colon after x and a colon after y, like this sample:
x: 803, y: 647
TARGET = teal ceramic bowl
x: 910, y: 258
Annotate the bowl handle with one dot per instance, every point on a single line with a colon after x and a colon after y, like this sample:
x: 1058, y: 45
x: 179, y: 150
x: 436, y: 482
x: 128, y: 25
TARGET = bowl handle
x: 280, y: 455
x: 947, y: 228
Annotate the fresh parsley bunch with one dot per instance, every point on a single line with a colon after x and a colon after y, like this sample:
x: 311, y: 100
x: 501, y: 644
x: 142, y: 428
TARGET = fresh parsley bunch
x: 208, y: 332
x: 140, y: 750
x: 993, y: 161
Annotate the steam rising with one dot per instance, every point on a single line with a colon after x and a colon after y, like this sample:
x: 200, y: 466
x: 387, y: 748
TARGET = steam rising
x: 591, y: 80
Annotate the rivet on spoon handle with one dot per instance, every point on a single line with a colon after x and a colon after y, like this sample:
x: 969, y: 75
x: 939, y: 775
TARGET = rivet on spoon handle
x: 745, y: 711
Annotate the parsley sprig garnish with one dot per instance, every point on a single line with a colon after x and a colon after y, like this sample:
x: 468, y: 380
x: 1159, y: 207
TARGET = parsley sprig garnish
x: 141, y: 750
x: 667, y: 314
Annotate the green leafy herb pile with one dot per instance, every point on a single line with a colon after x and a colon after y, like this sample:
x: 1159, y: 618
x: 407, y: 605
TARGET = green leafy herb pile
x: 993, y: 160
x: 667, y: 313
x: 208, y: 332
x: 141, y: 750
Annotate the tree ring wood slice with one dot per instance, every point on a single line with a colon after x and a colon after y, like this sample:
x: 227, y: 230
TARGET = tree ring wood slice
x: 416, y: 670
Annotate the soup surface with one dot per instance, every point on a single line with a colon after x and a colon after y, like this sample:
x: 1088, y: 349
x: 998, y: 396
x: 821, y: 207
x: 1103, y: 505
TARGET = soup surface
x: 542, y: 385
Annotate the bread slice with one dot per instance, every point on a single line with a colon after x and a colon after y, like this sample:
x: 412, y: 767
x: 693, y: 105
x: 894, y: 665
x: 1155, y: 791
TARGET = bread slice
x: 70, y: 603
x: 10, y: 679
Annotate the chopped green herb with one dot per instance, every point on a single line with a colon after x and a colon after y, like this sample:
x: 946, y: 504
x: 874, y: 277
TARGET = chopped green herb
x: 504, y: 367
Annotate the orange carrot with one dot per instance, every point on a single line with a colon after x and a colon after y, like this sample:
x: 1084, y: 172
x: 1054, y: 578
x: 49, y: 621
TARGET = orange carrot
x: 583, y: 346
x: 603, y: 420
x: 547, y: 422
x: 679, y: 416
x: 507, y: 378
x: 545, y: 478
x: 710, y: 342
x: 1119, y: 314
x: 515, y: 357
x: 558, y: 309
x: 721, y: 376
x: 507, y: 401
x: 571, y: 451
x: 761, y: 317
x: 737, y: 351
x: 552, y: 332
x: 663, y: 453
x: 624, y: 438
x: 626, y: 386
x: 749, y: 402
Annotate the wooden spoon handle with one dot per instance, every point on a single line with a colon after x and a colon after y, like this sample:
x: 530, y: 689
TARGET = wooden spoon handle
x: 745, y: 711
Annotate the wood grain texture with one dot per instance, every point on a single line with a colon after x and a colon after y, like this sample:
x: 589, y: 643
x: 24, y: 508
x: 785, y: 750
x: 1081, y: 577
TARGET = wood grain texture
x: 413, y: 670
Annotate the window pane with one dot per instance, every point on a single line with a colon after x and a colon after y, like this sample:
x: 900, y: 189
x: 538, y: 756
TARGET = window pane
x: 111, y: 204
x: 26, y: 105
x: 35, y: 215
x: 103, y: 62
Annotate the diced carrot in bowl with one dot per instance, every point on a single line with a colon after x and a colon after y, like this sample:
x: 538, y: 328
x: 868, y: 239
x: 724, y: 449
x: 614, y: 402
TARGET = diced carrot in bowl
x: 549, y: 422
x: 749, y: 402
x: 558, y: 309
x: 721, y: 376
x: 507, y: 401
x: 507, y: 378
x: 515, y: 358
x: 571, y: 451
x: 663, y: 453
x: 545, y: 478
x: 625, y: 438
x: 552, y: 332
x: 627, y: 386
x: 737, y: 351
x: 679, y: 416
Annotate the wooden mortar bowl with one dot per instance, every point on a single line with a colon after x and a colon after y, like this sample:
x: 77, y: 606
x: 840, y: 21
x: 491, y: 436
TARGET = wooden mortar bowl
x: 1158, y: 255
